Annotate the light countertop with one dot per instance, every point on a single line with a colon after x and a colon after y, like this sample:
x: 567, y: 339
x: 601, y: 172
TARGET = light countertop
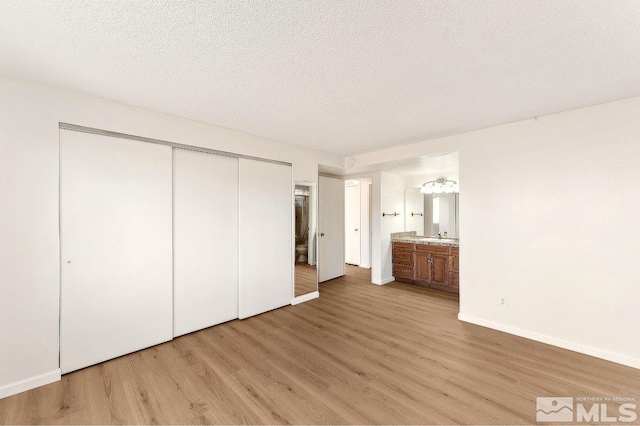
x: 412, y: 238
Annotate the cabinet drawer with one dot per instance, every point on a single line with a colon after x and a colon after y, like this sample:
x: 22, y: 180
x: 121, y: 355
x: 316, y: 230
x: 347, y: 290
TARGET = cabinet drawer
x: 454, y: 264
x: 455, y: 251
x: 401, y: 256
x: 442, y: 250
x: 454, y: 279
x: 402, y: 246
x: 402, y: 271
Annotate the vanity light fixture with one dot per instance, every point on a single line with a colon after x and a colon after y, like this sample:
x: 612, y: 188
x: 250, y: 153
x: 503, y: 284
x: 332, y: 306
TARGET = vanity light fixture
x: 440, y: 186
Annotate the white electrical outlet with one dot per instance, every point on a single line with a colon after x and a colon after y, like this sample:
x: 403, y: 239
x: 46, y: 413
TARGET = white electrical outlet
x: 503, y: 302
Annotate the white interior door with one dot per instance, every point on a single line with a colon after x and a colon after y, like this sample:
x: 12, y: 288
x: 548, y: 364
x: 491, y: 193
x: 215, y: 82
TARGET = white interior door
x: 266, y: 231
x: 352, y: 223
x: 116, y: 283
x: 330, y: 228
x: 205, y: 240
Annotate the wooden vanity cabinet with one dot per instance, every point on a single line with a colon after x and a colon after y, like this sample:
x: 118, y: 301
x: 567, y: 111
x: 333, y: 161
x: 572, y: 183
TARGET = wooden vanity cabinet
x: 402, y: 254
x: 454, y: 268
x: 432, y: 265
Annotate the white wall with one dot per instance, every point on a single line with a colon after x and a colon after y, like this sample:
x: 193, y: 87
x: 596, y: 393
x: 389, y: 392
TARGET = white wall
x: 29, y: 244
x: 392, y: 200
x: 549, y: 219
x: 414, y: 203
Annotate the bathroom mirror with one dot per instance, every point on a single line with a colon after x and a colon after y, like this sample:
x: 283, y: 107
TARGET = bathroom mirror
x: 305, y: 254
x: 431, y: 214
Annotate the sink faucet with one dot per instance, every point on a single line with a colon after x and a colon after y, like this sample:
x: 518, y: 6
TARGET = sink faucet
x: 445, y: 234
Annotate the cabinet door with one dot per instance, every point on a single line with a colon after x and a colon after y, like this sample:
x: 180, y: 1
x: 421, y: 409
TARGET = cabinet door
x: 439, y: 269
x: 421, y: 267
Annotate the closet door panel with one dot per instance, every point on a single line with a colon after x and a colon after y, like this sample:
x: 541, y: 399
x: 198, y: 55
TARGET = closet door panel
x: 266, y: 252
x: 116, y: 272
x: 205, y: 236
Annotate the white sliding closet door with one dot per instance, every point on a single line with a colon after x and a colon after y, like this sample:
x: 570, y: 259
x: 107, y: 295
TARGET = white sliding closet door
x: 205, y: 238
x: 266, y: 251
x: 116, y: 284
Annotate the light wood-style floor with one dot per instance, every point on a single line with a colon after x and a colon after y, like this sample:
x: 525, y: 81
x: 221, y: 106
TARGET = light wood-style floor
x: 360, y: 354
x: 306, y: 278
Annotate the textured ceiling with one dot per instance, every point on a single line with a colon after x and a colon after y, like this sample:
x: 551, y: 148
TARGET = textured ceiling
x: 340, y: 76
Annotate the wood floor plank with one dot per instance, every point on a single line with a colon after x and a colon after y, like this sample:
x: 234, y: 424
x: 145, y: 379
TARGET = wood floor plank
x: 258, y: 400
x: 108, y: 402
x: 359, y: 354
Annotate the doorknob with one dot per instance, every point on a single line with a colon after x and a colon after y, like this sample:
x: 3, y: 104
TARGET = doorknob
x: 322, y: 234
x: 356, y: 229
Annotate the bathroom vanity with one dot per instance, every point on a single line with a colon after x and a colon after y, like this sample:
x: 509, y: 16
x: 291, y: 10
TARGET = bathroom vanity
x: 428, y: 262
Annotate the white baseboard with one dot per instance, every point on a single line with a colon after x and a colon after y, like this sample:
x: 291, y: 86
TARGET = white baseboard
x: 305, y: 298
x: 554, y: 341
x: 30, y: 383
x: 383, y: 281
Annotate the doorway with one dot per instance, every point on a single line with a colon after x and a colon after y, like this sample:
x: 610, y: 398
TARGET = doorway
x: 357, y: 223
